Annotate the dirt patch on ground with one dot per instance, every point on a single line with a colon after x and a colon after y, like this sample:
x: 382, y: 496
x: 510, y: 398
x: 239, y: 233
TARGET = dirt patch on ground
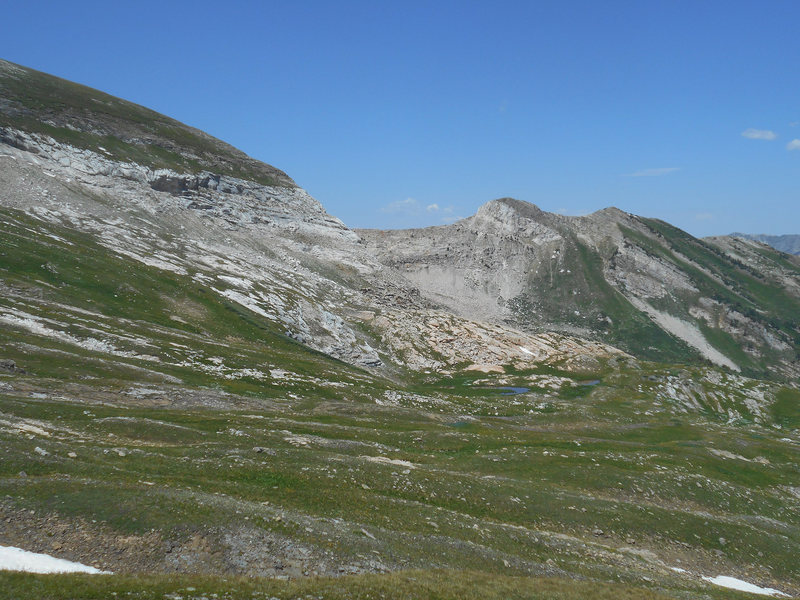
x: 80, y: 541
x: 234, y: 551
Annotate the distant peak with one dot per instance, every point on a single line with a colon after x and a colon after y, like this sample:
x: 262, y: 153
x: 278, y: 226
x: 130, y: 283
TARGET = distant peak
x: 611, y: 211
x: 502, y: 205
x: 509, y: 216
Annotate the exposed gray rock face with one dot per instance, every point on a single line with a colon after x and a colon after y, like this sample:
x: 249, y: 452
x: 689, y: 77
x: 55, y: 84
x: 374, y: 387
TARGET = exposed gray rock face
x: 174, y: 198
x: 759, y: 258
x: 9, y: 366
x: 245, y: 202
x: 639, y: 283
x: 37, y: 102
x: 273, y: 250
x: 474, y: 266
x: 255, y: 244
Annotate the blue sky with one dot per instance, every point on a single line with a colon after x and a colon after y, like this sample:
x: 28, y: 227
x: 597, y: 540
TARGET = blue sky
x: 398, y: 114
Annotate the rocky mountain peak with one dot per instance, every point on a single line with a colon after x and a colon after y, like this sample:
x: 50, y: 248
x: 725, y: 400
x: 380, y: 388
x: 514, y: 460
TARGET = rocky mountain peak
x: 509, y: 217
x: 612, y: 213
x: 505, y: 206
x: 164, y: 194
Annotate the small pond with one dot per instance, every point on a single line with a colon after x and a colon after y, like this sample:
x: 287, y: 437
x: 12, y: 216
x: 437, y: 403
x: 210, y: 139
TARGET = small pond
x: 511, y: 391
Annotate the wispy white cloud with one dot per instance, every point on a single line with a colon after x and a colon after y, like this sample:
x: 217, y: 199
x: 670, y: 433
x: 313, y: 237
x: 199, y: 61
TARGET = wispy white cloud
x: 409, y: 206
x: 759, y: 134
x: 703, y: 216
x: 794, y: 123
x: 653, y: 172
x: 411, y: 212
x: 793, y: 145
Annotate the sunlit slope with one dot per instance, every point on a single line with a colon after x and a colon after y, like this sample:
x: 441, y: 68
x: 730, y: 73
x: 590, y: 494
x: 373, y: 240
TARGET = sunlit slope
x: 639, y: 284
x: 649, y: 470
x: 90, y: 119
x: 72, y: 309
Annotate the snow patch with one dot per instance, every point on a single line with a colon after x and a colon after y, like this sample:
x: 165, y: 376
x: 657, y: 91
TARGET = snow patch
x: 17, y: 559
x: 743, y: 586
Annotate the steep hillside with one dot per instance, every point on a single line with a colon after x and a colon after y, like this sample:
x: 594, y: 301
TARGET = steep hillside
x: 89, y: 119
x: 640, y: 284
x: 271, y: 249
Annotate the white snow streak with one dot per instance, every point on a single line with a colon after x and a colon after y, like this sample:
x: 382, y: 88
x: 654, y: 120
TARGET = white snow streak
x: 17, y: 559
x: 743, y: 586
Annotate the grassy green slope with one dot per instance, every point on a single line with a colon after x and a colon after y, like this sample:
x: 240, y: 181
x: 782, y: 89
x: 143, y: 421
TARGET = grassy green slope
x: 504, y: 495
x: 735, y: 285
x: 630, y: 327
x: 448, y: 475
x: 577, y: 294
x: 86, y: 118
x: 573, y: 291
x: 76, y: 310
x: 154, y: 413
x: 411, y: 585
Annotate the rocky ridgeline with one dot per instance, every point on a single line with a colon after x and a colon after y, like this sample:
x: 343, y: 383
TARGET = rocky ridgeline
x: 247, y: 231
x: 88, y: 118
x: 789, y: 243
x: 269, y: 249
x: 240, y: 202
x: 273, y: 249
x: 610, y: 276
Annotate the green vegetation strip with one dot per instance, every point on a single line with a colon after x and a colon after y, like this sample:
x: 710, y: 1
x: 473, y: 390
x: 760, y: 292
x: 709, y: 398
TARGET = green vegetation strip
x: 411, y: 585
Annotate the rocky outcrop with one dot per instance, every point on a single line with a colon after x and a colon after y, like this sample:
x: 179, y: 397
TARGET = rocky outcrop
x: 276, y: 252
x: 9, y: 366
x: 267, y: 248
x: 176, y: 199
x: 637, y: 283
x: 239, y: 201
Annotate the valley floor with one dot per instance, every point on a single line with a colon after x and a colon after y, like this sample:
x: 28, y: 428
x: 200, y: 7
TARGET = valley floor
x: 452, y: 490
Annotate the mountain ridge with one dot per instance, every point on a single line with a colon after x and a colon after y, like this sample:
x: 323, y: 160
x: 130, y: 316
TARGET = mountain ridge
x: 489, y: 257
x: 610, y: 277
x: 87, y: 118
